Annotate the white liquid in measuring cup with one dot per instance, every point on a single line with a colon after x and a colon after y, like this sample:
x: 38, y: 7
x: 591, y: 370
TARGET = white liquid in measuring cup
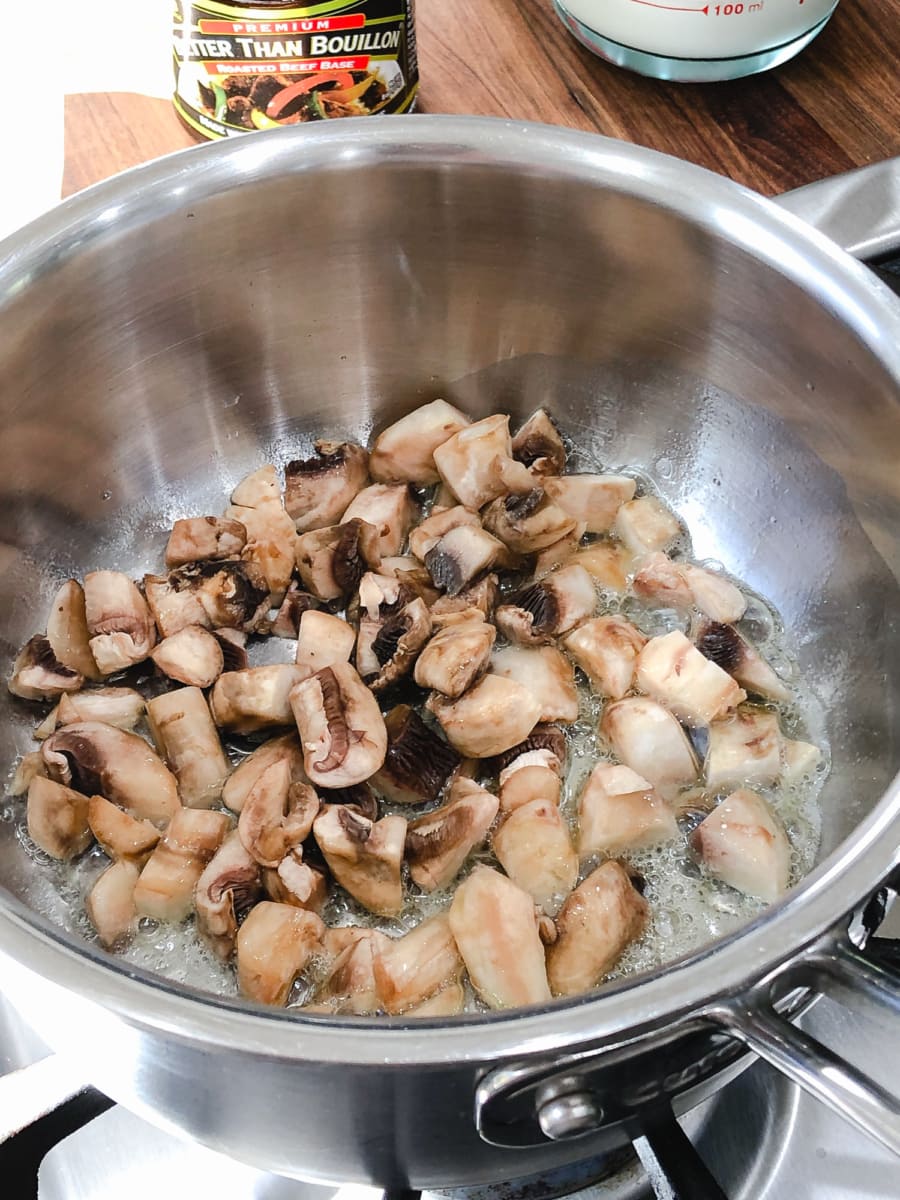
x: 693, y: 39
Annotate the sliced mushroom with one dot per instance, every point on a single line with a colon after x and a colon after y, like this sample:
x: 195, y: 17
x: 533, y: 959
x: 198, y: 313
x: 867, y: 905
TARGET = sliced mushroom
x: 455, y: 656
x: 542, y: 737
x: 528, y: 522
x: 469, y: 460
x: 647, y: 738
x: 682, y: 586
x: 48, y: 725
x: 429, y: 532
x: 460, y: 556
x: 258, y: 698
x: 607, y: 563
x: 418, y: 763
x: 240, y: 783
x: 548, y: 607
x: 215, y: 595
x: 119, y: 706
x: 225, y: 893
x: 672, y: 670
x: 594, y: 499
x: 448, y: 1002
x: 409, y: 969
x: 800, y: 759
x: 480, y: 596
x: 559, y: 552
x: 412, y: 575
x: 618, y: 810
x: 390, y: 508
x: 535, y: 850
x: 645, y: 525
x: 602, y: 916
x: 318, y: 489
x: 277, y: 815
x: 394, y: 625
x: 295, y: 603
x: 120, y: 835
x: 743, y: 843
x: 744, y: 748
x: 39, y: 675
x: 332, y: 561
x: 359, y: 797
x: 534, y: 775
x: 323, y: 640
x: 607, y: 650
x: 271, y: 537
x: 547, y: 673
x: 233, y: 643
x: 539, y: 446
x: 110, y: 903
x: 274, y: 945
x: 296, y: 882
x: 364, y: 856
x: 404, y: 452
x: 27, y: 768
x: 350, y: 986
x: 118, y: 620
x: 439, y: 843
x: 57, y: 819
x: 724, y: 646
x: 192, y: 655
x: 494, y: 715
x: 186, y: 737
x: 204, y: 539
x: 97, y: 758
x: 165, y: 890
x: 493, y: 923
x: 67, y: 631
x: 341, y: 727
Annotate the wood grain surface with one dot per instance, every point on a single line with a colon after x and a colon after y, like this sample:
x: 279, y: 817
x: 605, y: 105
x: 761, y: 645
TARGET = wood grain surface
x: 834, y: 107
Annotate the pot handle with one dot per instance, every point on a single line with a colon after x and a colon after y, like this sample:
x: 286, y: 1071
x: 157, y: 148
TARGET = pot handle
x: 860, y: 210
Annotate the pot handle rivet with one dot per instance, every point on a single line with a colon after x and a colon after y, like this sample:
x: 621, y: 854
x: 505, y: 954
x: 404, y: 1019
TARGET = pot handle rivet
x: 569, y: 1116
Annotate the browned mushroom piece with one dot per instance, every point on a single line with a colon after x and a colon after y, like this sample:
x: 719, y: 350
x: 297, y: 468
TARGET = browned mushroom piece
x: 277, y: 815
x: 418, y: 763
x: 318, y: 489
x: 274, y: 945
x: 410, y: 969
x: 350, y: 985
x: 192, y: 655
x: 412, y: 575
x: 57, y: 819
x: 548, y: 607
x: 744, y: 748
x: 723, y: 645
x: 27, y: 768
x: 743, y: 843
x: 429, y: 532
x: 683, y: 586
x: 183, y: 729
x: 528, y: 522
x: 607, y: 650
x: 215, y: 595
x: 296, y: 882
x: 230, y: 885
x: 204, y: 539
x: 534, y: 775
x: 560, y: 552
x: 254, y: 699
x: 404, y: 452
x: 67, y: 631
x: 469, y: 461
x: 456, y: 655
x: 493, y: 923
x: 494, y: 715
x: 481, y: 595
x: 594, y: 499
x: 341, y: 727
x: 539, y: 446
x: 165, y: 890
x: 110, y: 903
x: 332, y: 561
x: 390, y: 508
x: 439, y: 843
x: 395, y: 647
x: 448, y: 1002
x: 460, y: 556
x: 535, y: 850
x: 364, y: 856
x: 38, y: 675
x: 118, y: 620
x: 619, y: 810
x: 548, y: 674
x: 359, y: 797
x: 271, y: 537
x: 119, y: 706
x: 119, y: 834
x: 542, y: 737
x: 98, y: 759
x: 607, y: 563
x: 295, y: 603
x: 645, y: 525
x: 673, y: 671
x: 598, y: 921
x: 233, y: 643
x: 323, y: 640
x: 239, y: 784
x: 647, y: 738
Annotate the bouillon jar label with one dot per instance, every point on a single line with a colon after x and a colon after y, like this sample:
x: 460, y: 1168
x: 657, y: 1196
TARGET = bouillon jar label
x: 239, y: 68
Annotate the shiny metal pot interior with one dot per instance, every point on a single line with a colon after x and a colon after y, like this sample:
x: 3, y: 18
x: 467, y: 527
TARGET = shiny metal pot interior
x: 169, y: 330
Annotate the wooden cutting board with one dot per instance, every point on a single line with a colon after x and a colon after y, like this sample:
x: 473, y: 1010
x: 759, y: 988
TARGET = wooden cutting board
x: 835, y: 107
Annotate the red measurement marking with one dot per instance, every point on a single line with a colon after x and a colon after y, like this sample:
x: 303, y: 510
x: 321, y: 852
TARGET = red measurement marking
x: 675, y: 7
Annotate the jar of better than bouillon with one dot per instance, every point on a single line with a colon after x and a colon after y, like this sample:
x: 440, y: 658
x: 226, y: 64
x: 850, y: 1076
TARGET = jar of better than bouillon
x: 241, y: 67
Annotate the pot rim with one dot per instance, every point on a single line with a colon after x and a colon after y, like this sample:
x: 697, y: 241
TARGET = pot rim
x: 165, y: 188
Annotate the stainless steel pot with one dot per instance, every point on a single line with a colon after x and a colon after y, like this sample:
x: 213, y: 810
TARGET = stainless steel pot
x: 168, y: 330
